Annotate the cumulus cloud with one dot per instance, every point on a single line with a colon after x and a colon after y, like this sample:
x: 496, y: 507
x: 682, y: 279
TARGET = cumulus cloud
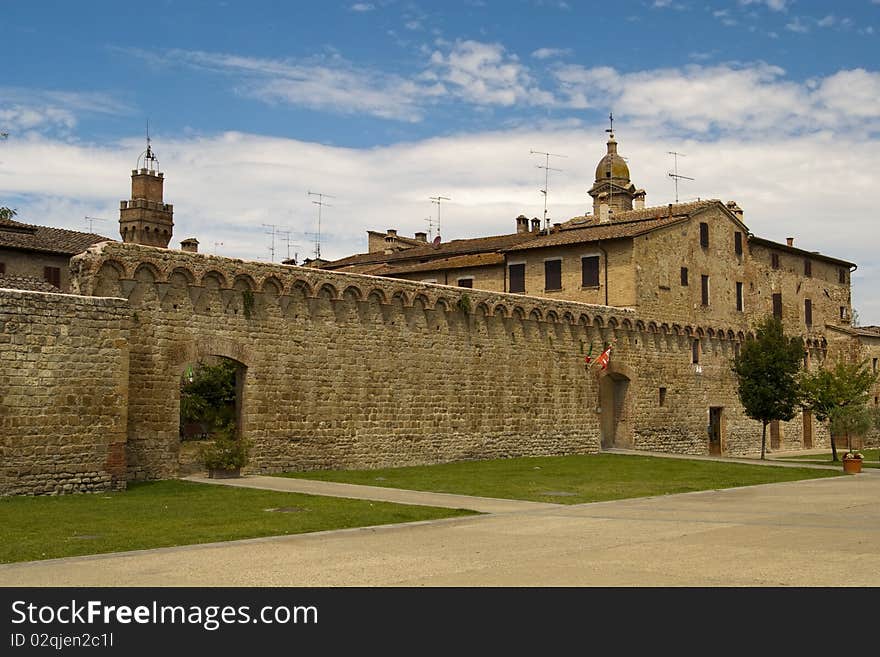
x: 775, y: 5
x: 23, y: 110
x: 362, y: 6
x: 548, y: 53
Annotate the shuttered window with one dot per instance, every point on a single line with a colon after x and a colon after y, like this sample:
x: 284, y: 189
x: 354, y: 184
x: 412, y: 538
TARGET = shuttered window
x: 684, y: 276
x: 53, y: 276
x: 739, y: 296
x: 590, y: 271
x: 704, y: 289
x: 774, y: 260
x: 465, y: 282
x: 517, y: 278
x: 738, y: 243
x: 704, y: 234
x: 808, y: 267
x: 2, y: 268
x: 777, y: 306
x: 553, y: 275
x: 808, y: 312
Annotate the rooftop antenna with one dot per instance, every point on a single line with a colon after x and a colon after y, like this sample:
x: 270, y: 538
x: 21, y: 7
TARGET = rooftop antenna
x: 92, y: 220
x: 320, y: 203
x: 430, y: 221
x: 272, y: 232
x: 610, y: 131
x: 216, y: 244
x: 438, y: 200
x: 674, y: 174
x: 150, y: 161
x: 547, y: 169
x: 285, y: 237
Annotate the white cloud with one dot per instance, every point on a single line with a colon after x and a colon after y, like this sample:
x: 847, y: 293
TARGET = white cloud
x: 775, y: 5
x: 23, y: 110
x: 362, y: 6
x: 828, y: 21
x: 797, y: 25
x: 548, y: 53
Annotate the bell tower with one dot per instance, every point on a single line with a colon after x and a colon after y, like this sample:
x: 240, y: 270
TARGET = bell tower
x: 145, y: 218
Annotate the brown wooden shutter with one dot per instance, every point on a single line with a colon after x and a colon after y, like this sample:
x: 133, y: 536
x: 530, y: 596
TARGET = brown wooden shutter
x: 808, y: 267
x: 808, y: 312
x: 777, y: 305
x: 465, y: 282
x: 704, y: 288
x: 684, y: 276
x: 517, y: 278
x: 738, y: 243
x: 553, y: 275
x: 704, y: 235
x: 590, y: 271
x: 739, y: 296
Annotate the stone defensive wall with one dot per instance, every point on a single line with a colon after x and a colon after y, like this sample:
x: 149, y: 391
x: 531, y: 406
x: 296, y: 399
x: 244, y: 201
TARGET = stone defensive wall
x: 342, y: 371
x: 63, y: 392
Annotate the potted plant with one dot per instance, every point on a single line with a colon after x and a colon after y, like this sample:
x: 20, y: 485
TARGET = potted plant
x: 852, y: 462
x: 225, y: 457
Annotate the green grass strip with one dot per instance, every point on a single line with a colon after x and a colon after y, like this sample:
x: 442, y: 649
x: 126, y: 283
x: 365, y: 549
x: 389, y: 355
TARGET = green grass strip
x: 167, y: 513
x: 571, y: 479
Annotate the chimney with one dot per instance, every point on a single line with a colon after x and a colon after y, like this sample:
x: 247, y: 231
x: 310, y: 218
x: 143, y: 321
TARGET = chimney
x: 422, y: 237
x: 392, y: 232
x: 604, y: 208
x: 735, y: 209
x: 536, y: 225
x: 639, y: 200
x: 190, y: 245
x: 557, y: 227
x: 789, y: 241
x: 522, y: 224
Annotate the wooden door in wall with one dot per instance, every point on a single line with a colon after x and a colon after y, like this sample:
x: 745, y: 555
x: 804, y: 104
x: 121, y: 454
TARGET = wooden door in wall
x: 775, y: 435
x: 715, y: 413
x: 808, y: 429
x: 613, y: 402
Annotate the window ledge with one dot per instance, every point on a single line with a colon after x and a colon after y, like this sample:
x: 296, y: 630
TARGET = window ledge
x: 553, y: 289
x: 590, y: 287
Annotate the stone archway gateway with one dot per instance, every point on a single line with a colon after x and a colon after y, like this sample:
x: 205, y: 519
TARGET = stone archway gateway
x: 614, y: 404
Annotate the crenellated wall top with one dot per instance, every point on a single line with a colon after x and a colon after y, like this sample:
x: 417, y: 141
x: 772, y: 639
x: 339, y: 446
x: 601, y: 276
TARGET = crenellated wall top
x: 282, y: 280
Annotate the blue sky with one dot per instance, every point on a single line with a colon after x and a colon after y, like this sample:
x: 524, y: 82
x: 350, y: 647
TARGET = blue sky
x: 776, y: 104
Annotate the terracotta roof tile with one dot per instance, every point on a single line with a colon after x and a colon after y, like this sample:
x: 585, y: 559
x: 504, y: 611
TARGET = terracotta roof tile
x: 455, y: 262
x: 17, y: 235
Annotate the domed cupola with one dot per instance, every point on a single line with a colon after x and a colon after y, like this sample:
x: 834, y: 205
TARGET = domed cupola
x: 612, y: 181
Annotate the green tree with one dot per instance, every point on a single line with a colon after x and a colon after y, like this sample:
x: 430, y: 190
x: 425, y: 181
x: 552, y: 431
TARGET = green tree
x: 207, y: 396
x: 825, y: 391
x: 850, y: 421
x: 7, y: 213
x: 766, y: 370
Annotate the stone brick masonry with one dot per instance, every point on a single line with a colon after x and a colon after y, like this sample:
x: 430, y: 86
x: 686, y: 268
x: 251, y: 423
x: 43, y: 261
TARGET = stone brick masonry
x: 342, y: 371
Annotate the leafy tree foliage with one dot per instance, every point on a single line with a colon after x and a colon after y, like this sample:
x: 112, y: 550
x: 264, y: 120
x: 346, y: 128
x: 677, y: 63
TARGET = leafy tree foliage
x: 766, y: 370
x: 849, y: 421
x: 828, y: 391
x: 207, y: 398
x: 7, y: 213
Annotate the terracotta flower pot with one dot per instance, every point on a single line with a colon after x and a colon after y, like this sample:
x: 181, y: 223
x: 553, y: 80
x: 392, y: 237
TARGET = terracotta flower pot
x: 852, y: 466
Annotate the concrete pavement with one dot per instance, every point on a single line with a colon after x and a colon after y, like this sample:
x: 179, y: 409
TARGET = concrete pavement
x: 823, y: 532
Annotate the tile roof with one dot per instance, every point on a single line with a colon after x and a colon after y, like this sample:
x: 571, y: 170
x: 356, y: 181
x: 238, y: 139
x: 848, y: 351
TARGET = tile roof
x: 28, y: 237
x: 428, y: 252
x: 26, y: 283
x: 455, y: 262
x: 796, y: 251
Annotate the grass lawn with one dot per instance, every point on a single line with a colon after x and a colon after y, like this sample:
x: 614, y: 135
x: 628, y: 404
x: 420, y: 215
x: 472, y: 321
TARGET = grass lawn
x: 165, y: 513
x: 570, y: 479
x: 871, y: 458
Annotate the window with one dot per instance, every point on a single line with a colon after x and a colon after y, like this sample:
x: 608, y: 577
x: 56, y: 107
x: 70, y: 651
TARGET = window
x: 738, y: 243
x: 808, y: 268
x: 704, y: 289
x: 774, y: 260
x: 517, y: 277
x: 874, y: 363
x: 684, y: 276
x: 777, y: 306
x: 704, y: 234
x: 695, y: 351
x: 53, y: 276
x: 739, y: 296
x: 808, y: 312
x: 2, y: 268
x: 841, y: 276
x: 843, y: 312
x: 465, y: 282
x: 590, y: 271
x: 553, y: 274
x: 663, y: 396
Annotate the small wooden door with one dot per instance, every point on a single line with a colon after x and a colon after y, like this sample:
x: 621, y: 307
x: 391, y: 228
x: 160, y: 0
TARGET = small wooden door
x: 715, y: 429
x: 808, y: 429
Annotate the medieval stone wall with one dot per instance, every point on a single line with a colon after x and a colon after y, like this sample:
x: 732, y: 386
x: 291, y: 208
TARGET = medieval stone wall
x: 63, y: 392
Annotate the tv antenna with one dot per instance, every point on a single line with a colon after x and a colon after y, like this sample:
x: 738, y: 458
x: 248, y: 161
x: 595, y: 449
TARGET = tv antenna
x: 430, y: 221
x: 674, y: 174
x: 547, y: 169
x: 320, y: 203
x: 91, y: 221
x: 151, y: 162
x: 285, y: 237
x: 216, y: 244
x: 273, y: 232
x: 438, y: 200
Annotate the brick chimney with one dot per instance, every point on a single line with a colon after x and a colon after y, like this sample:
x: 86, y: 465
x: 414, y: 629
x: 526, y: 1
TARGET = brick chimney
x: 789, y: 241
x: 422, y: 237
x: 190, y: 245
x: 522, y: 224
x: 734, y: 208
x: 536, y: 225
x: 639, y: 200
